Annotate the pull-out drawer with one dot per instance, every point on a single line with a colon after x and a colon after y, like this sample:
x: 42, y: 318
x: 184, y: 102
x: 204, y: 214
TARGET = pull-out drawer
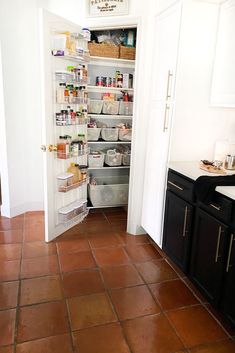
x: 219, y: 207
x: 180, y: 186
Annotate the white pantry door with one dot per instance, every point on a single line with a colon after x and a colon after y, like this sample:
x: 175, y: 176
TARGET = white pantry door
x: 53, y: 199
x: 164, y: 62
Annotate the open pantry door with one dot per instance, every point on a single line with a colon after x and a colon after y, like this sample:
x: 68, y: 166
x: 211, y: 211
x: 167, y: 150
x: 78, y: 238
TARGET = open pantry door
x: 63, y: 54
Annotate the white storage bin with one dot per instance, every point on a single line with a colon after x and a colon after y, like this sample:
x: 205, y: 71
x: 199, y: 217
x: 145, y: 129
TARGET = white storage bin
x: 126, y: 159
x: 125, y: 134
x: 93, y: 133
x: 110, y: 107
x: 109, y: 191
x: 126, y: 108
x: 113, y: 158
x: 95, y: 106
x: 69, y: 212
x: 64, y: 181
x: 96, y: 160
x: 109, y: 134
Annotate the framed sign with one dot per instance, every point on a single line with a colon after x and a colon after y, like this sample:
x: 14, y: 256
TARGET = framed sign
x: 101, y: 8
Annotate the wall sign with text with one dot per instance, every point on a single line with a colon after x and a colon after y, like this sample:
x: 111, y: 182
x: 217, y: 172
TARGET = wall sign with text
x: 107, y: 7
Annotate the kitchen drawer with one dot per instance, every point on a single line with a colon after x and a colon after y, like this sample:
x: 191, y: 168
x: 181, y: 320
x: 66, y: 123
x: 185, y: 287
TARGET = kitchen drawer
x: 219, y: 207
x: 180, y: 186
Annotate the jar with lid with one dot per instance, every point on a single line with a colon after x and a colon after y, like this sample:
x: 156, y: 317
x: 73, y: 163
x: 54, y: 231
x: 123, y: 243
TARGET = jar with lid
x: 63, y: 147
x: 86, y: 34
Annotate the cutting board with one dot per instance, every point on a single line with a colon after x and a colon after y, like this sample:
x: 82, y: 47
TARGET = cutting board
x: 212, y: 169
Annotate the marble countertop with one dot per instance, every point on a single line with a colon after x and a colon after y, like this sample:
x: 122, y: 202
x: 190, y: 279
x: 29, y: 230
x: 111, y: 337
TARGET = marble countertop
x: 192, y: 171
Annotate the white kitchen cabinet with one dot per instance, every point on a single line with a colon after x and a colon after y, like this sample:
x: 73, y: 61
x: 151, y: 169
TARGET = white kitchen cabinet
x: 223, y: 83
x: 184, y: 40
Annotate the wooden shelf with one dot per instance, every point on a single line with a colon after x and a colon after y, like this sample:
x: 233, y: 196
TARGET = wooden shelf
x: 103, y: 116
x: 101, y: 89
x: 102, y: 61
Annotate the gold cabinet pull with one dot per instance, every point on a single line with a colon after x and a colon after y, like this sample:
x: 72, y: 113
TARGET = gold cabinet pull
x: 165, y: 125
x: 185, y: 220
x: 52, y: 148
x: 229, y: 252
x: 218, y: 244
x: 175, y: 185
x: 168, y: 86
x: 216, y: 207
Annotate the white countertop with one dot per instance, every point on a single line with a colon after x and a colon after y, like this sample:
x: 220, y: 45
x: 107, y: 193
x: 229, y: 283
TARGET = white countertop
x: 192, y: 171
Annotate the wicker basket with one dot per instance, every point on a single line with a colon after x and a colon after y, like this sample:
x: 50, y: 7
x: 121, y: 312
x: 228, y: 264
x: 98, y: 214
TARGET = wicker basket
x: 127, y: 53
x: 105, y: 50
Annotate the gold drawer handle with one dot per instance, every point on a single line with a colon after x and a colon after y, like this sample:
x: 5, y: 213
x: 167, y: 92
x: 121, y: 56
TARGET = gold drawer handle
x: 176, y: 186
x: 218, y: 208
x: 229, y: 252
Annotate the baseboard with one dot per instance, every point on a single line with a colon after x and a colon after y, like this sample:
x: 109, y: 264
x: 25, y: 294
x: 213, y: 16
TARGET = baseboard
x: 20, y: 209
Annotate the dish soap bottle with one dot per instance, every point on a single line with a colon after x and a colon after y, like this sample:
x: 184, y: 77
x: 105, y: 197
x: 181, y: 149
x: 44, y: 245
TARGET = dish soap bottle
x: 75, y: 171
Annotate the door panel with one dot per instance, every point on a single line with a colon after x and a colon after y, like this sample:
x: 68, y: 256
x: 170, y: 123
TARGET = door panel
x: 54, y: 200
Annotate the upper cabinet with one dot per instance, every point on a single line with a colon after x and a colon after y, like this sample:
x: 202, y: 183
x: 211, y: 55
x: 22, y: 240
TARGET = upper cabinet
x: 223, y: 83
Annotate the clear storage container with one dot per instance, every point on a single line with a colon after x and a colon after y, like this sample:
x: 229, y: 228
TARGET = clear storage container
x: 125, y: 134
x: 126, y: 108
x: 126, y: 159
x: 93, y: 133
x: 113, y: 158
x: 63, y: 76
x: 110, y: 107
x: 95, y: 106
x: 109, y: 191
x: 69, y: 212
x: 109, y: 134
x: 96, y: 160
x: 64, y: 181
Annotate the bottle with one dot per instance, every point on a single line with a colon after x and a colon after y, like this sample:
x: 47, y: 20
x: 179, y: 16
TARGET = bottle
x: 74, y: 170
x: 60, y: 93
x: 63, y: 147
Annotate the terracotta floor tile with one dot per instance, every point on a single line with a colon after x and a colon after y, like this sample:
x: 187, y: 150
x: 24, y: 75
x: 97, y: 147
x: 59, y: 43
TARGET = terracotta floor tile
x: 227, y: 346
x: 114, y: 217
x: 8, y: 294
x: 101, y: 339
x: 8, y: 349
x: 11, y: 236
x: 133, y: 302
x: 103, y: 241
x: 76, y: 261
x: 38, y: 248
x: 151, y: 334
x: 82, y: 282
x: 39, y: 266
x: 222, y: 319
x: 118, y: 226
x: 141, y: 253
x: 54, y: 344
x: 76, y: 245
x: 199, y: 295
x: 10, y: 252
x: 111, y: 256
x: 121, y: 276
x: 39, y: 290
x: 90, y: 310
x: 203, y: 328
x: 133, y: 239
x: 34, y: 232
x: 42, y: 320
x: 11, y: 223
x: 156, y: 271
x: 96, y: 227
x: 7, y: 327
x: 9, y: 270
x: 173, y: 294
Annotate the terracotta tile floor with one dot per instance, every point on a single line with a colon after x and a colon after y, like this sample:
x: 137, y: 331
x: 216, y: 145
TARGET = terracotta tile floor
x: 97, y: 289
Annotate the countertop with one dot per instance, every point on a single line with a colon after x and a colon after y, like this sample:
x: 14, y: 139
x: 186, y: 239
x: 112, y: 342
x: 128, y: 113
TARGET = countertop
x: 192, y: 171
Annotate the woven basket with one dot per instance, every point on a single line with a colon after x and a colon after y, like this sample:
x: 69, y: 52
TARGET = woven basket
x: 127, y: 53
x: 104, y: 50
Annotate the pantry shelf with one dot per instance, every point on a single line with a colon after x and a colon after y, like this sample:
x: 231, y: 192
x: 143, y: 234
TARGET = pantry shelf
x: 109, y: 142
x: 79, y: 59
x: 75, y: 220
x: 106, y: 168
x: 98, y: 89
x: 64, y: 189
x: 64, y: 124
x: 103, y: 116
x: 63, y: 156
x: 96, y: 60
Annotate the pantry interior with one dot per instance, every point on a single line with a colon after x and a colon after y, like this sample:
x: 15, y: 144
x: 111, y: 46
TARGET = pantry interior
x: 92, y: 89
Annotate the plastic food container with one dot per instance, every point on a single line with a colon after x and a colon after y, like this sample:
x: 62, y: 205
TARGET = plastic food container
x: 110, y: 107
x: 93, y: 133
x: 126, y: 108
x: 95, y: 106
x: 125, y: 134
x: 109, y: 191
x: 69, y: 212
x: 109, y: 134
x: 63, y: 76
x: 112, y: 158
x: 126, y: 159
x: 96, y: 160
x: 64, y: 181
